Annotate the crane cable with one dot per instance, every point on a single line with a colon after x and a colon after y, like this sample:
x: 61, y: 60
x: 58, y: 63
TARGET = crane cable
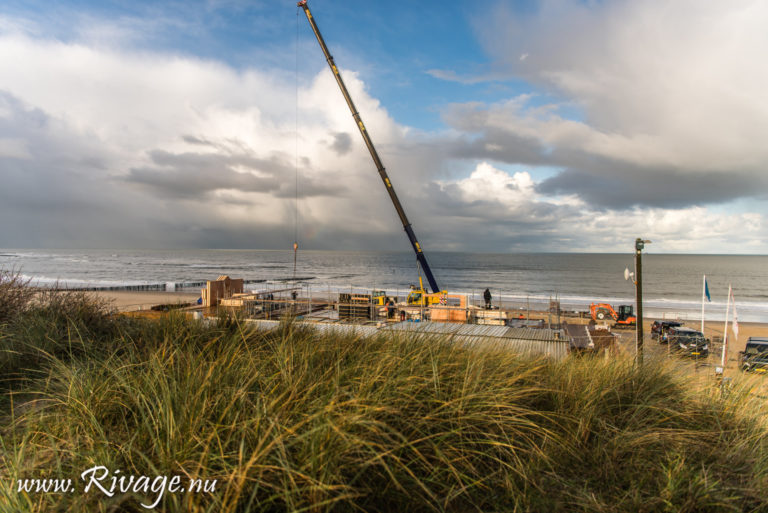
x: 296, y: 156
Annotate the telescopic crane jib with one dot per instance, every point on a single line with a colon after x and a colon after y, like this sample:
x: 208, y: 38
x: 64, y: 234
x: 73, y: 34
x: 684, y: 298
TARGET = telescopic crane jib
x: 376, y: 160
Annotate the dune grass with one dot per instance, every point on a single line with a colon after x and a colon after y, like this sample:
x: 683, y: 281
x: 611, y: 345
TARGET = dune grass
x: 294, y: 420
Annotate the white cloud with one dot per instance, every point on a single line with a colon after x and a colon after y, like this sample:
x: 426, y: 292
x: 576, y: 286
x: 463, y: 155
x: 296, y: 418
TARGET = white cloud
x: 14, y: 148
x: 523, y: 220
x: 660, y: 84
x: 487, y: 183
x: 120, y: 107
x: 108, y: 146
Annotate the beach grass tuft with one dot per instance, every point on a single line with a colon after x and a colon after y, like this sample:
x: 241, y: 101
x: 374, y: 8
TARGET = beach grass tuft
x: 297, y: 420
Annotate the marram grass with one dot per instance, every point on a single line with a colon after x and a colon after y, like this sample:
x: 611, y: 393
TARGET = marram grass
x: 294, y: 420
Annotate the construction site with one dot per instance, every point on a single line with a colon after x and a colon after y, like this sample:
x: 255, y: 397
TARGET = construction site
x: 428, y: 310
x: 554, y: 333
x: 425, y: 308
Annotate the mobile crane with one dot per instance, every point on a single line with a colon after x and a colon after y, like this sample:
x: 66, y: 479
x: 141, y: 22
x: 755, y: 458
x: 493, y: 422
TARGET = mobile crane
x: 424, y: 298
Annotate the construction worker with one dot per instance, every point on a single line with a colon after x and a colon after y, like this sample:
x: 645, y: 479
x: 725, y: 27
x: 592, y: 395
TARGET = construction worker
x: 390, y: 309
x: 487, y: 297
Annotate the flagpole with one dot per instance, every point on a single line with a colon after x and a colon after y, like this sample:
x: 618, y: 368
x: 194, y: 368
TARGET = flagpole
x: 703, y: 293
x: 725, y: 330
x: 735, y: 322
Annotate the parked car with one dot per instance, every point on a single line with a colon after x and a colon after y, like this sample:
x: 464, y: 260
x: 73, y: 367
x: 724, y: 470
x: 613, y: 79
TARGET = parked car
x: 754, y: 358
x: 659, y: 329
x: 688, y: 342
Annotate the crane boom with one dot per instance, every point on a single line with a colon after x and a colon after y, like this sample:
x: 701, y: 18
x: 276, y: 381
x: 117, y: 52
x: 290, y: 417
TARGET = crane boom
x: 376, y: 160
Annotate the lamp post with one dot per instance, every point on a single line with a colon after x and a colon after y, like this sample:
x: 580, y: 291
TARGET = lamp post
x: 639, y: 245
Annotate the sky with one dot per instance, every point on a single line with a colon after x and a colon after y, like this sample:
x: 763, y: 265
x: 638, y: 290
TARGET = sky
x: 505, y: 126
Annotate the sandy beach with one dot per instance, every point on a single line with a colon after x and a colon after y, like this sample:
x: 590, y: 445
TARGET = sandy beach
x: 714, y: 331
x: 126, y: 301
x: 746, y: 330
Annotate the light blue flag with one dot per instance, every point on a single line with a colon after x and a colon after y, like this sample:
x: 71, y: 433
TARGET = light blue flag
x: 706, y: 290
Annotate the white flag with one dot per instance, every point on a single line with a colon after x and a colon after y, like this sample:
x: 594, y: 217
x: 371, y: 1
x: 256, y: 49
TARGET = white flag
x: 735, y: 318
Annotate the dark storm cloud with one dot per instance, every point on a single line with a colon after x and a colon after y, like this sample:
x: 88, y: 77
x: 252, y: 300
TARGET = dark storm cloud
x: 486, y: 141
x: 451, y: 221
x: 191, y: 139
x: 342, y: 143
x: 43, y: 165
x: 653, y: 188
x: 601, y: 181
x: 59, y: 189
x: 56, y: 191
x: 486, y: 226
x: 653, y: 116
x: 193, y: 175
x: 501, y: 146
x: 447, y: 202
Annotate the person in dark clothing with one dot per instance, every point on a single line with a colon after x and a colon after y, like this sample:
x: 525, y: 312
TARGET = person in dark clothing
x: 390, y: 309
x: 487, y: 297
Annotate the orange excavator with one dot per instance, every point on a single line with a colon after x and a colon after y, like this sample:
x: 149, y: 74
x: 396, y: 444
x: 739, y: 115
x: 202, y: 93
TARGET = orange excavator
x: 625, y: 317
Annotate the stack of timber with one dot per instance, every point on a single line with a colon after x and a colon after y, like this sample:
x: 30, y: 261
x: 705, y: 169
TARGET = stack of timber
x: 355, y: 307
x: 492, y: 317
x: 453, y: 309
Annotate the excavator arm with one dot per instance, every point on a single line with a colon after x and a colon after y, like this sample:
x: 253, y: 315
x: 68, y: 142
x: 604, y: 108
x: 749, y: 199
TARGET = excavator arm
x: 372, y: 150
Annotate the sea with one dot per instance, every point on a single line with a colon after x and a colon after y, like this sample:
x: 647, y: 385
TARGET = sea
x: 672, y: 284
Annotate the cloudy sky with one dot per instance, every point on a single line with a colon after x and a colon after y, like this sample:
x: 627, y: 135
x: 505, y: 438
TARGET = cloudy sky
x: 504, y: 125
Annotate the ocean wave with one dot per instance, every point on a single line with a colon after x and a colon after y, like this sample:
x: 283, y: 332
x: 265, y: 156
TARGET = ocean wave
x: 48, y: 281
x: 297, y: 278
x: 675, y: 286
x: 220, y: 267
